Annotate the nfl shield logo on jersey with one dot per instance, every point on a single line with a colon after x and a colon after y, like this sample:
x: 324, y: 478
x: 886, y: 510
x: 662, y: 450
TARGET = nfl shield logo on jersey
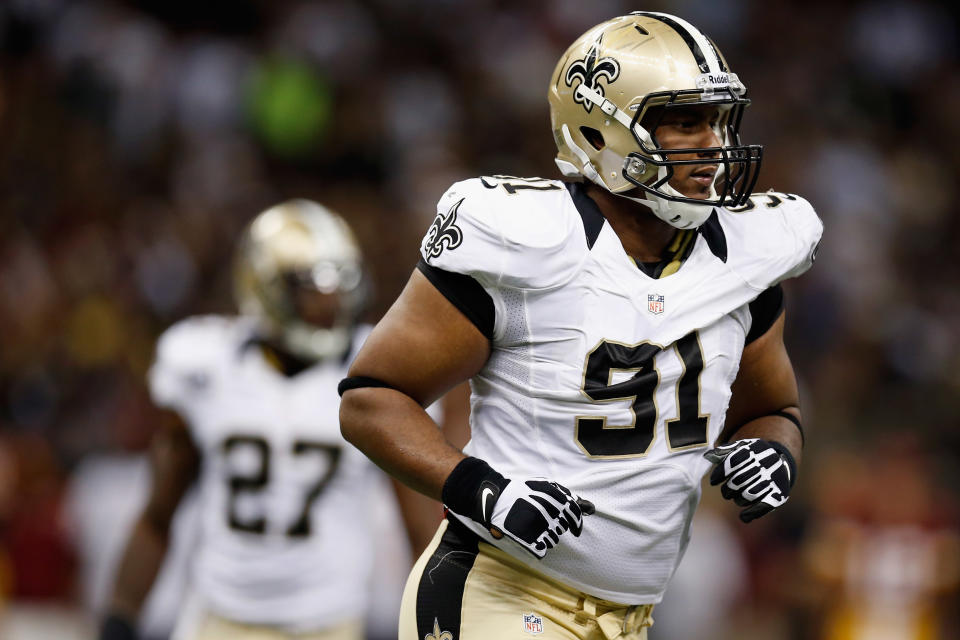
x: 655, y: 303
x: 532, y: 623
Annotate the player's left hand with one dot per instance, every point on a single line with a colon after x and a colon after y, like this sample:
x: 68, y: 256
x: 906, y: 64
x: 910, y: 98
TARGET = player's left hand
x: 755, y: 473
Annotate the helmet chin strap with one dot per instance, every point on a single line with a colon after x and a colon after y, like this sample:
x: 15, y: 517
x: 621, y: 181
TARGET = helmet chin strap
x: 682, y: 215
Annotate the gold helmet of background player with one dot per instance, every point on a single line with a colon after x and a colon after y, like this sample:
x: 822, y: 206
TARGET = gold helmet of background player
x: 609, y: 91
x: 298, y: 269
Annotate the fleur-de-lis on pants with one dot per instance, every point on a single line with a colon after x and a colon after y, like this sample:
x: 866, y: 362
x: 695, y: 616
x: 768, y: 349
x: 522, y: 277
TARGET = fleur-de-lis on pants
x: 437, y: 634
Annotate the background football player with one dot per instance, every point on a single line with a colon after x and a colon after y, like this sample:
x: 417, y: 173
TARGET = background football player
x: 623, y: 333
x: 251, y: 419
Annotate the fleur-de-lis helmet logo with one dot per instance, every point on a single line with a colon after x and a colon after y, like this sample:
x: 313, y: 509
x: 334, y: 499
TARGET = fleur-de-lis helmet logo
x: 443, y: 234
x: 590, y: 70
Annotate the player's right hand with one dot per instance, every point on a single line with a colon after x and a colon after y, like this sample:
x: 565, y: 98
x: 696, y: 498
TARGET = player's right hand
x: 535, y: 513
x: 532, y: 512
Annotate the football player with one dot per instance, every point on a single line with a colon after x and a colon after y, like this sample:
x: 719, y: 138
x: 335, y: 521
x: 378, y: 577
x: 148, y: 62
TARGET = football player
x: 623, y: 334
x: 251, y: 419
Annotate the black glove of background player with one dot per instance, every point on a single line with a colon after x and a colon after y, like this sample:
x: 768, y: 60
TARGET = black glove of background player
x: 755, y: 473
x: 533, y: 512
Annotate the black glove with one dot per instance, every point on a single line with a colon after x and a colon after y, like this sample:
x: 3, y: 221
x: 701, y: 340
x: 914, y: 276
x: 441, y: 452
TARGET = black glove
x: 534, y: 512
x: 755, y: 473
x: 117, y: 628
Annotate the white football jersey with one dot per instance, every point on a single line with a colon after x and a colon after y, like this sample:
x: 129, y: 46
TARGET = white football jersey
x: 285, y: 539
x: 602, y: 378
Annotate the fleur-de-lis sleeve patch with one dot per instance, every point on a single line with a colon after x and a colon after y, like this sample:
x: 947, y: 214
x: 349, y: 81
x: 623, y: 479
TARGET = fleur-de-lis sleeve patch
x: 443, y: 234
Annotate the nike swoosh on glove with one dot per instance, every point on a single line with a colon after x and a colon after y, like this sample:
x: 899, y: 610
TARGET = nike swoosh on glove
x: 756, y: 474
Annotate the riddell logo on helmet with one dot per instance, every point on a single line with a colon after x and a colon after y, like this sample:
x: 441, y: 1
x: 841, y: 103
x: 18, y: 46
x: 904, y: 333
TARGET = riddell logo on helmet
x: 714, y: 78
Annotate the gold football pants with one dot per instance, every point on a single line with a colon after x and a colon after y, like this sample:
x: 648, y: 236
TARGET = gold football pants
x: 462, y: 588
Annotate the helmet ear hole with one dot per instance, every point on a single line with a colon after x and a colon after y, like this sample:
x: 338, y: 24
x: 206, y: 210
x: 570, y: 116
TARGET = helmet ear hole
x: 594, y: 137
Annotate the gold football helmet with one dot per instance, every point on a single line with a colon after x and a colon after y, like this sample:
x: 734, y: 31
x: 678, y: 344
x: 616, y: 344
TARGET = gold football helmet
x: 298, y: 269
x: 608, y: 94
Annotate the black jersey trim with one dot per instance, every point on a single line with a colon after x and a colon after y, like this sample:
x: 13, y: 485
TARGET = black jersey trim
x: 651, y: 269
x: 465, y: 293
x: 442, y: 583
x: 589, y: 212
x: 712, y: 232
x: 764, y: 311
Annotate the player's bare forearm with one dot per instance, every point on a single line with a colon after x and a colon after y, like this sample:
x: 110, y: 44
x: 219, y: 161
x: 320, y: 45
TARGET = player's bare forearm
x: 420, y: 513
x: 765, y: 386
x: 396, y: 433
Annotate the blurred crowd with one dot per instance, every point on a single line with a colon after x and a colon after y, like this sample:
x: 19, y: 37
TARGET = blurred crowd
x: 137, y: 137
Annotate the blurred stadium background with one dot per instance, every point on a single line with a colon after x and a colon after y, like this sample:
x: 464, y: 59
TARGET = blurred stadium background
x: 136, y: 138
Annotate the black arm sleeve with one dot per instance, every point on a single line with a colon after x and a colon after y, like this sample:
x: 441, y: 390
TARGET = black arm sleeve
x: 765, y: 310
x: 465, y: 293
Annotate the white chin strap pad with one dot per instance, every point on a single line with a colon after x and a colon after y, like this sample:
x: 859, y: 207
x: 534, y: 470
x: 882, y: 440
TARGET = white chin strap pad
x: 682, y: 215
